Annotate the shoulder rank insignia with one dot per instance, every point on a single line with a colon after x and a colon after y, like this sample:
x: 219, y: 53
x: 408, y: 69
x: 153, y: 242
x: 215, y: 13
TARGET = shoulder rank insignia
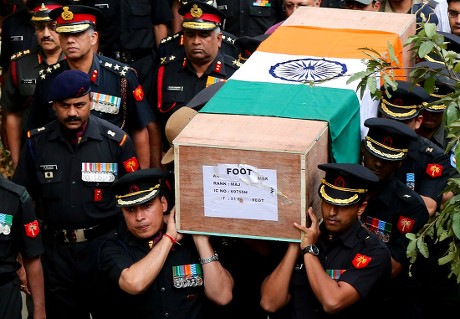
x: 434, y: 170
x: 405, y: 224
x: 49, y: 70
x: 361, y: 261
x: 19, y: 54
x: 167, y: 59
x: 36, y: 131
x: 32, y: 229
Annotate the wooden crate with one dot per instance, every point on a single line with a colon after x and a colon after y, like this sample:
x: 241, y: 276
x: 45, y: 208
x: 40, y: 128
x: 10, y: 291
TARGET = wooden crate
x: 248, y: 176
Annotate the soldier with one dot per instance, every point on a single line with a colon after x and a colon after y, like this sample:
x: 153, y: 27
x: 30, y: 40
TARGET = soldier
x: 117, y: 95
x: 339, y: 267
x: 21, y: 77
x: 393, y: 210
x: 153, y: 270
x: 68, y: 167
x: 179, y: 79
x: 19, y: 233
x: 426, y: 167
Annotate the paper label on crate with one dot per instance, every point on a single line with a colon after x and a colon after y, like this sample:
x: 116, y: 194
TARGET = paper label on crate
x: 240, y: 191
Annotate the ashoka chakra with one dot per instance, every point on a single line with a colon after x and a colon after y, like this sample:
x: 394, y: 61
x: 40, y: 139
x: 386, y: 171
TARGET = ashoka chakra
x: 308, y: 70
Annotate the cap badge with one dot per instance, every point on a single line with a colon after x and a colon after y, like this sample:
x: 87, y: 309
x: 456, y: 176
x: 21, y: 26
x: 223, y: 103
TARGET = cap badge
x: 398, y: 101
x: 66, y: 14
x: 43, y: 7
x: 339, y: 182
x: 196, y: 12
x: 133, y: 188
x: 388, y: 141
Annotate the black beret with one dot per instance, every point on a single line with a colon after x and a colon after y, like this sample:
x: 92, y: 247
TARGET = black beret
x: 345, y: 183
x: 388, y: 139
x: 69, y: 84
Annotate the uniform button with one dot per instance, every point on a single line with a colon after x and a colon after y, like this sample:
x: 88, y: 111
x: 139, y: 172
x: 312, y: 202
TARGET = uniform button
x: 163, y: 289
x: 166, y: 314
x: 73, y: 182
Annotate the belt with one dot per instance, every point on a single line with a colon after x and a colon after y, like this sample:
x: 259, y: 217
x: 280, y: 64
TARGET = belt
x: 127, y: 56
x: 6, y: 278
x: 72, y: 236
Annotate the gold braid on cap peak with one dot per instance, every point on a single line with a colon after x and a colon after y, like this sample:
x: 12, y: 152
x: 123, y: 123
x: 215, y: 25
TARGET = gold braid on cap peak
x: 396, y: 115
x: 335, y: 200
x: 345, y: 189
x: 151, y: 189
x: 399, y: 155
x: 407, y: 107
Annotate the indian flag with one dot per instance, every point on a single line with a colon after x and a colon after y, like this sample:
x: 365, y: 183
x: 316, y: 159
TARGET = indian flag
x: 301, y: 72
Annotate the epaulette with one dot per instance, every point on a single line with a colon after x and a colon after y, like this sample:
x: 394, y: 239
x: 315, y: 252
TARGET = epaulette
x: 171, y: 58
x: 171, y: 38
x: 231, y: 62
x: 228, y: 37
x: 113, y: 132
x: 44, y: 73
x: 36, y: 131
x: 19, y: 54
x: 428, y: 147
x: 116, y: 67
x: 15, y: 188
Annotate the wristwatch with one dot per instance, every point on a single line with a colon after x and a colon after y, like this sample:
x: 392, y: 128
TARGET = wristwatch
x: 312, y: 249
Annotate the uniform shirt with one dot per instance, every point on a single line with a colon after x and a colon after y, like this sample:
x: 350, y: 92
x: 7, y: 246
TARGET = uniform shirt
x: 17, y: 35
x: 177, y: 82
x: 117, y: 95
x: 250, y: 17
x: 161, y: 299
x: 71, y: 183
x: 358, y: 258
x: 21, y: 79
x: 391, y: 213
x: 127, y: 24
x: 19, y: 231
x: 431, y: 168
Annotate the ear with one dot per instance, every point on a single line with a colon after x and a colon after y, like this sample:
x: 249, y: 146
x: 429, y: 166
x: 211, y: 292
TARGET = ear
x: 418, y: 121
x: 164, y: 203
x: 361, y: 208
x: 94, y: 37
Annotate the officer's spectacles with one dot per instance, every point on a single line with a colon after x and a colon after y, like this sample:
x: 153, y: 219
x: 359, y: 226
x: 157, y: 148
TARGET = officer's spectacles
x: 292, y: 6
x: 40, y: 26
x: 452, y: 13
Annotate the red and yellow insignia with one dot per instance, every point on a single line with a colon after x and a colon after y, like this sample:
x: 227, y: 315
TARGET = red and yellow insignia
x: 97, y: 195
x: 218, y: 66
x: 131, y: 164
x: 405, y: 224
x: 138, y: 93
x: 434, y: 170
x: 32, y: 229
x: 361, y: 261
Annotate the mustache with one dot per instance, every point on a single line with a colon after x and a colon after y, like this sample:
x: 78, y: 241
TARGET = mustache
x: 72, y: 119
x: 46, y: 39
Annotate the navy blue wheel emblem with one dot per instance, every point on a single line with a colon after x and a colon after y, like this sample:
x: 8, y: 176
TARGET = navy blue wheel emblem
x: 308, y: 70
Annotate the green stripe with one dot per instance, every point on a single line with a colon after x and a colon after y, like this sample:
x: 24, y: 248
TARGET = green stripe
x: 339, y: 107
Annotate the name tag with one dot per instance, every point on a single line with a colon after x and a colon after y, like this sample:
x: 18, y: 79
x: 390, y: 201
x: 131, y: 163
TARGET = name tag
x: 175, y: 88
x: 17, y: 38
x: 102, y: 5
x: 28, y: 81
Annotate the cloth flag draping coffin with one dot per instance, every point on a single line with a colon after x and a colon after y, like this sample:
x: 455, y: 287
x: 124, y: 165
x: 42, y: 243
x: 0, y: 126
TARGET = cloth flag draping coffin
x: 301, y: 72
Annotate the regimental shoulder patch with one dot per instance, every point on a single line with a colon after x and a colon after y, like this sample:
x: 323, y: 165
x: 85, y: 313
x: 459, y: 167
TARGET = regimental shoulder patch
x: 19, y: 54
x: 49, y: 70
x: 138, y: 93
x: 131, y: 164
x: 405, y: 224
x: 32, y: 229
x: 361, y: 261
x: 434, y: 170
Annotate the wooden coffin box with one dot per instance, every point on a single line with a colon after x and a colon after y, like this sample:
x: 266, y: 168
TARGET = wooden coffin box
x: 248, y: 176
